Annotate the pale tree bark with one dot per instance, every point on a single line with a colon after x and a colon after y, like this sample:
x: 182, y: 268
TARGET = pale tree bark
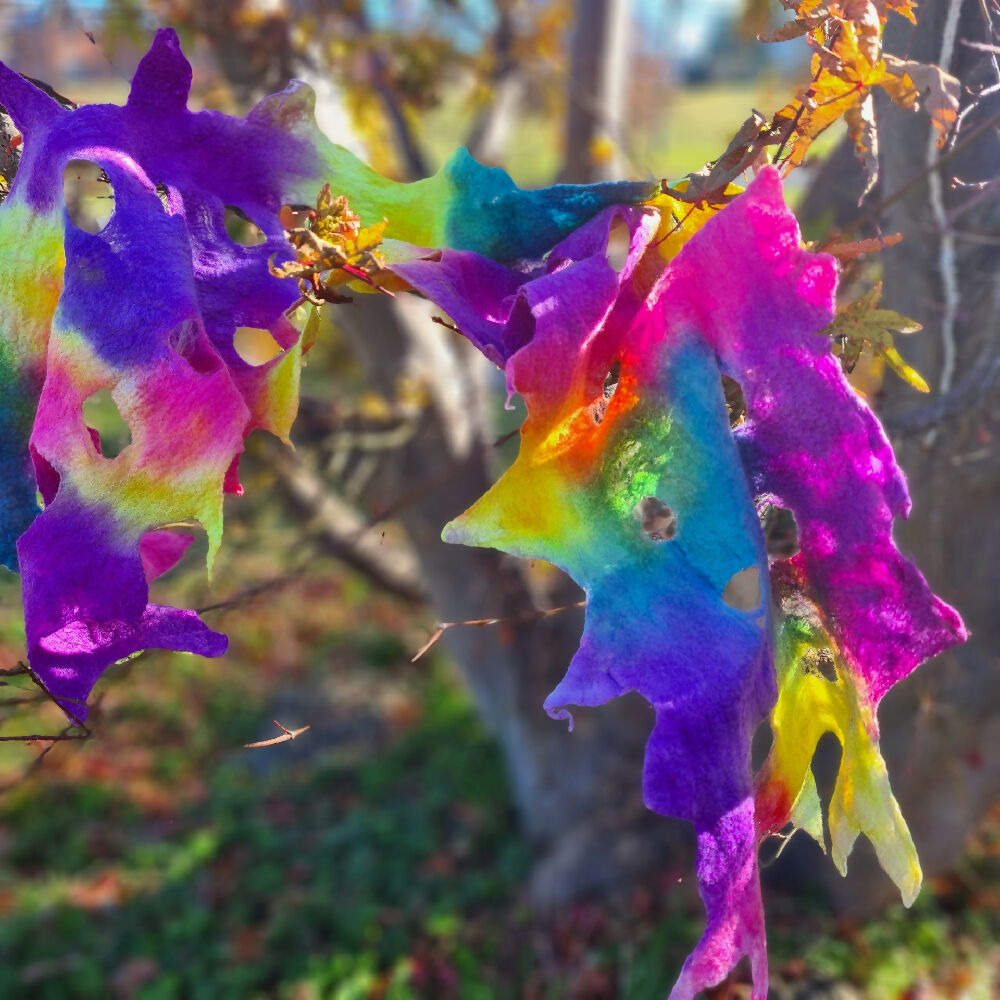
x: 596, y: 90
x: 942, y: 730
x: 578, y: 794
x: 491, y: 129
x: 941, y: 727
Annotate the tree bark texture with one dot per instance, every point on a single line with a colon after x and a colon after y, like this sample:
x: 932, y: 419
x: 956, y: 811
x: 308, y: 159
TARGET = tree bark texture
x: 941, y: 727
x: 595, y: 95
x: 578, y: 793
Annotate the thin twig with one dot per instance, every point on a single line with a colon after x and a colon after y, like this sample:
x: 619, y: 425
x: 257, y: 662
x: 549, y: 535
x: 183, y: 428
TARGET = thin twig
x: 918, y: 178
x: 37, y: 762
x: 54, y: 737
x: 946, y: 239
x: 287, y: 734
x: 973, y: 386
x: 255, y: 590
x: 60, y: 703
x: 441, y: 321
x: 528, y: 616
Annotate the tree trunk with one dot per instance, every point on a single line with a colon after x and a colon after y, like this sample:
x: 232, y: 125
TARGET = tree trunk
x: 595, y: 96
x: 941, y: 728
x: 578, y: 793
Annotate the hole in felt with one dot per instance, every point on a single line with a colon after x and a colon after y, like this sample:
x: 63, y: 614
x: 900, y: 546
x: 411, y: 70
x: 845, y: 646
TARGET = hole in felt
x: 760, y: 747
x: 618, y: 245
x: 241, y: 229
x: 743, y: 590
x: 736, y: 402
x: 825, y: 767
x: 781, y: 533
x: 610, y: 386
x: 741, y: 977
x: 659, y: 522
x: 101, y: 414
x: 11, y: 143
x: 256, y: 346
x: 88, y: 194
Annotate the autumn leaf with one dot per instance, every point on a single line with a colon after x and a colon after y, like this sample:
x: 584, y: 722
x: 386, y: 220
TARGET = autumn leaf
x: 863, y: 322
x: 798, y: 27
x: 846, y: 39
x: 904, y: 7
x: 846, y: 252
x: 746, y: 150
x: 332, y: 249
x: 915, y: 85
x: 863, y: 131
x: 843, y: 73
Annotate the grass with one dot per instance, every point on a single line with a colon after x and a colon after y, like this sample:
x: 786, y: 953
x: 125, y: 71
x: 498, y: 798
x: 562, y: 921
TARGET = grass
x: 375, y: 858
x: 691, y: 127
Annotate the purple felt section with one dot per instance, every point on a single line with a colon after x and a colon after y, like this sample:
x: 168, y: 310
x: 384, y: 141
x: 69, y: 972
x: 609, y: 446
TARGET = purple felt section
x: 810, y: 443
x: 72, y: 642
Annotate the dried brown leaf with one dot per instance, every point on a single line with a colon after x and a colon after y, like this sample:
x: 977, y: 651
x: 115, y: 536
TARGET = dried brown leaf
x: 796, y: 29
x: 744, y: 151
x: 863, y: 131
x: 918, y: 85
x: 845, y: 252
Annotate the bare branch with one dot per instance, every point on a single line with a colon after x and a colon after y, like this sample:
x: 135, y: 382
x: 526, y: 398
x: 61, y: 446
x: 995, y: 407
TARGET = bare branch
x: 342, y: 533
x: 287, y: 734
x: 969, y: 390
x: 529, y: 616
x: 51, y: 737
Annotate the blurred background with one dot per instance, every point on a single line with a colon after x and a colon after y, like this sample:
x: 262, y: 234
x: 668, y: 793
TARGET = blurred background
x: 433, y: 833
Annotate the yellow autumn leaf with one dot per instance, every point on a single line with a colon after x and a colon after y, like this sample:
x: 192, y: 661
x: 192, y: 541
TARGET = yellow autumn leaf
x: 864, y: 322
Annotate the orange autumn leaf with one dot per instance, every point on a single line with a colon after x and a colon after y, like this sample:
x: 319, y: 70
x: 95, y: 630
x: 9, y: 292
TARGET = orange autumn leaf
x: 846, y: 252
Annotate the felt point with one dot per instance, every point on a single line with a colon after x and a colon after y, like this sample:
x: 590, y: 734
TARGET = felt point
x: 29, y: 107
x: 285, y: 108
x: 163, y: 78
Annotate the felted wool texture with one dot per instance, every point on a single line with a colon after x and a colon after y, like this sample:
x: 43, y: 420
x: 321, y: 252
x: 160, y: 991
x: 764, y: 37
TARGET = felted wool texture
x: 620, y: 372
x: 148, y: 308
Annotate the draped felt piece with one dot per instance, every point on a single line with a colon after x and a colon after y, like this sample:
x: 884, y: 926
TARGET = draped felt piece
x: 631, y: 479
x: 148, y: 308
x: 634, y: 474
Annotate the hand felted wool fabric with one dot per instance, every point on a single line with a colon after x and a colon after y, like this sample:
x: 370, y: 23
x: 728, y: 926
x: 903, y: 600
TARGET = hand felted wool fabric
x: 629, y: 479
x: 629, y: 476
x: 147, y: 308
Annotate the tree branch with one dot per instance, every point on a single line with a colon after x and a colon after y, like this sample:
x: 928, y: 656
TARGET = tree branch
x: 342, y: 533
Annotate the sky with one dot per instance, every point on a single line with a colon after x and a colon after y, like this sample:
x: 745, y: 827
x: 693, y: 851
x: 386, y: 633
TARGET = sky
x: 685, y: 25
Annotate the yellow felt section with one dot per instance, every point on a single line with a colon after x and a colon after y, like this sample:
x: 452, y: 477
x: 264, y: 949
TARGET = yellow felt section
x: 818, y: 695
